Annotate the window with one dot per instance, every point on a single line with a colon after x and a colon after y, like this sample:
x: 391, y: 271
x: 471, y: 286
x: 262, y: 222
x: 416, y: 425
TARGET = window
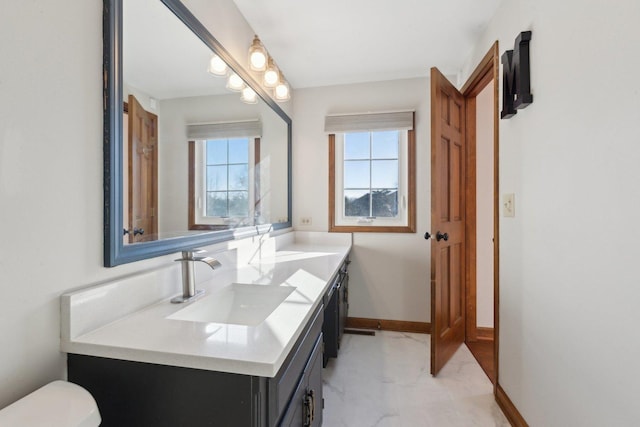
x: 372, y: 178
x: 222, y: 172
x: 370, y: 174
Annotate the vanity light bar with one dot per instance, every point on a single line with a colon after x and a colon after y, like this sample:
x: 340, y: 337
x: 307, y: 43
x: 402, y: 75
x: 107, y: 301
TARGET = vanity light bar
x: 259, y: 60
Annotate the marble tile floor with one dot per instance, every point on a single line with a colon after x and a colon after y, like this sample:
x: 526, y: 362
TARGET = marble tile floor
x: 384, y: 381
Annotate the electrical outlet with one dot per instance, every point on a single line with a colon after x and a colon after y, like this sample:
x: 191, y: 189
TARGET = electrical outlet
x: 509, y: 205
x: 305, y: 221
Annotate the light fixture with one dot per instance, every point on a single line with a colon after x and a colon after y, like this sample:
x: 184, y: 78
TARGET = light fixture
x: 235, y: 83
x: 249, y: 96
x: 282, y: 92
x: 271, y: 75
x: 217, y: 66
x: 257, y: 55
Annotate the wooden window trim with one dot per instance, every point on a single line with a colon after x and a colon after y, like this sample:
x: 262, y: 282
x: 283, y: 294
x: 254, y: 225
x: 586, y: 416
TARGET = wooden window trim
x: 411, y: 193
x: 192, y: 188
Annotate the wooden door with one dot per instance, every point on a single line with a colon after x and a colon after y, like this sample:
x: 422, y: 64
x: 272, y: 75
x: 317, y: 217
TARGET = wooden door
x: 447, y: 220
x: 143, y: 172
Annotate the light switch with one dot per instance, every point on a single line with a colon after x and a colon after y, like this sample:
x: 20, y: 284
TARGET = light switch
x: 509, y: 205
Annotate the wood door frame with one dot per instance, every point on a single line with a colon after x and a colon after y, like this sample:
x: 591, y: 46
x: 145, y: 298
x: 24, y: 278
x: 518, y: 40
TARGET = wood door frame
x: 486, y: 71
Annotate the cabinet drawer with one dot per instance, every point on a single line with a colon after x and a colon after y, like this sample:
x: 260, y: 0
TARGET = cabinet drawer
x: 284, y: 384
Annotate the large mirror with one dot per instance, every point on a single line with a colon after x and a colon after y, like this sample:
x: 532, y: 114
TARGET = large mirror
x: 189, y: 160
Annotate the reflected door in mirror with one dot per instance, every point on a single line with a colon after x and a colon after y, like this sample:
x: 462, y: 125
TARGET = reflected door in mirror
x: 142, y: 172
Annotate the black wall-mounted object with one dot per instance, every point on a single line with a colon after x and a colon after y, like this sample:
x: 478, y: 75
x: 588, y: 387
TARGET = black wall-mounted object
x: 516, y: 77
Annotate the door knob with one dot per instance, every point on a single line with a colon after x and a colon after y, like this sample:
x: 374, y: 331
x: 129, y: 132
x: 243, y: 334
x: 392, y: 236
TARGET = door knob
x: 427, y: 235
x: 440, y: 236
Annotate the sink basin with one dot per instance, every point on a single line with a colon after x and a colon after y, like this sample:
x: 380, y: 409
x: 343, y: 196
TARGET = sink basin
x: 237, y: 304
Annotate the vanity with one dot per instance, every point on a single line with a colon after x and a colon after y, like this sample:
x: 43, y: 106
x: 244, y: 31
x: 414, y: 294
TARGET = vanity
x: 256, y: 362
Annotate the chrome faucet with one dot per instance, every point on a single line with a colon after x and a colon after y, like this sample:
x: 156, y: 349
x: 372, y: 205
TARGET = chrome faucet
x: 188, y: 275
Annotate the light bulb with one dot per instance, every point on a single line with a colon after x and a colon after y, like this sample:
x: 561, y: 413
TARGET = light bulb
x: 271, y: 75
x: 217, y: 66
x: 258, y: 61
x: 249, y: 96
x: 282, y: 90
x: 257, y: 55
x: 235, y: 83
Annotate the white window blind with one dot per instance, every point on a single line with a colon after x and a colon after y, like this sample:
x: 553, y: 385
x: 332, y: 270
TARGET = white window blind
x: 245, y: 129
x: 402, y: 120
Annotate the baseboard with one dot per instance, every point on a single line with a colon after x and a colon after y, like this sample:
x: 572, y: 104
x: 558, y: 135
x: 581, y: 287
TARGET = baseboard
x: 509, y: 409
x: 484, y: 333
x: 388, y: 325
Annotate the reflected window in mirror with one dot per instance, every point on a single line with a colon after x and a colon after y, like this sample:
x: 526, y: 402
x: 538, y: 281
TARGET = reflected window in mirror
x: 224, y: 180
x: 226, y: 186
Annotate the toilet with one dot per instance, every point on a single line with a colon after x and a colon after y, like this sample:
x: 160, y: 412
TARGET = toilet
x: 57, y: 404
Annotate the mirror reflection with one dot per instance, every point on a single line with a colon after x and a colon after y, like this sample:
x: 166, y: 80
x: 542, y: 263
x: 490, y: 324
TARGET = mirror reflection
x: 201, y: 152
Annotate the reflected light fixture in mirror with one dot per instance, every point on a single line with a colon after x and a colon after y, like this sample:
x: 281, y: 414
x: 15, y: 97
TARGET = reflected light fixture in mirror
x: 257, y: 55
x: 235, y: 83
x: 249, y: 96
x: 217, y: 66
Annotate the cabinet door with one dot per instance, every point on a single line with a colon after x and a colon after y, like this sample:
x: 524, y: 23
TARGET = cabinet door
x: 294, y: 415
x: 343, y: 305
x: 314, y: 402
x: 305, y: 408
x: 330, y: 327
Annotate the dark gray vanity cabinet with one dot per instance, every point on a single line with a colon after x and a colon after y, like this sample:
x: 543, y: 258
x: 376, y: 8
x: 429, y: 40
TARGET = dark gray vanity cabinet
x: 144, y: 394
x: 336, y: 303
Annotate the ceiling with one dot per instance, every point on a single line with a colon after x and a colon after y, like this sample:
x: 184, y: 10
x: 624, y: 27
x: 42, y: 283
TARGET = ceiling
x: 333, y: 42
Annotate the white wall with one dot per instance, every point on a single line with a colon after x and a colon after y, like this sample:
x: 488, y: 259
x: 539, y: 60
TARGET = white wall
x: 484, y: 207
x: 390, y: 272
x: 51, y: 177
x: 568, y: 261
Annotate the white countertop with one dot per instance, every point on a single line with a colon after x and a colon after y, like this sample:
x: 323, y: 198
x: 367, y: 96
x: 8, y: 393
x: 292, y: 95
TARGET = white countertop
x: 147, y: 335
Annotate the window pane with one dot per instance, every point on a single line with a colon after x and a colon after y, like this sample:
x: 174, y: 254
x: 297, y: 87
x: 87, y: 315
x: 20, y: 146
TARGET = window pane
x: 385, y: 203
x: 356, y: 203
x: 238, y: 177
x: 238, y: 203
x: 384, y: 145
x: 217, y: 152
x: 216, y: 178
x: 239, y: 150
x: 217, y: 204
x: 356, y: 145
x: 356, y: 174
x: 384, y: 174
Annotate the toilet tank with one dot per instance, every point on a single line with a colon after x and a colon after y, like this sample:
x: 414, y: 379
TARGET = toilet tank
x: 57, y: 404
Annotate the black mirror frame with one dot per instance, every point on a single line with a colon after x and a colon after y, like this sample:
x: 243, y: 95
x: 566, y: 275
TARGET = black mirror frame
x: 115, y: 251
